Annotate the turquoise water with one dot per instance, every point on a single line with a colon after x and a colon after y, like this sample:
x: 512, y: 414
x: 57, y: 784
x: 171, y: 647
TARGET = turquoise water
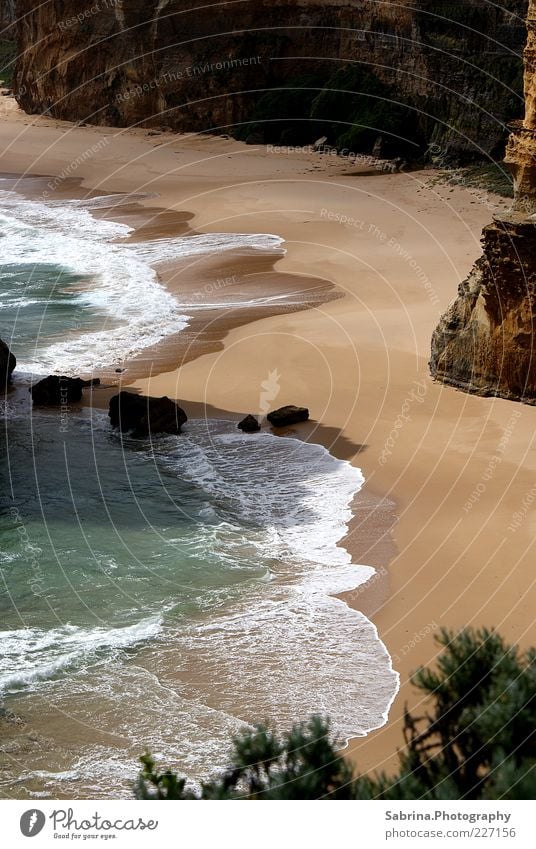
x: 39, y: 303
x: 108, y: 527
x: 162, y: 594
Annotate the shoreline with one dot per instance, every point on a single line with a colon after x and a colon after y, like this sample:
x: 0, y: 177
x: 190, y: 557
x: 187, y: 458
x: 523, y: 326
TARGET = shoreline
x: 354, y: 361
x: 258, y: 269
x: 314, y: 582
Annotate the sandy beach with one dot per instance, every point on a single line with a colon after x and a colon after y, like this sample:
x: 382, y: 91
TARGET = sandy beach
x: 451, y: 477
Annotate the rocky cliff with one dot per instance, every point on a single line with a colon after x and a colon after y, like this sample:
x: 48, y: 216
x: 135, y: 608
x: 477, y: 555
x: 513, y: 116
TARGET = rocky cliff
x: 7, y: 13
x: 485, y: 341
x: 520, y: 153
x: 8, y: 50
x: 426, y: 72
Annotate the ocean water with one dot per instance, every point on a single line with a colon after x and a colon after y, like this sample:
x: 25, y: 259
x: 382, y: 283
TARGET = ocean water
x: 61, y: 265
x: 156, y: 594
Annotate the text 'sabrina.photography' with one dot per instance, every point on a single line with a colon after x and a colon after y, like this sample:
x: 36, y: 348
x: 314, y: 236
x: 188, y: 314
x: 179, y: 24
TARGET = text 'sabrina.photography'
x: 268, y: 421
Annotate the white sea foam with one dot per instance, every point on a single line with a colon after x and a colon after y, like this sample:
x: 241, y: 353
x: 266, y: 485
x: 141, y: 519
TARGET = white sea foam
x: 30, y: 655
x: 274, y: 647
x: 292, y: 502
x: 135, y: 310
x: 164, y: 250
x: 106, y: 201
x: 295, y: 490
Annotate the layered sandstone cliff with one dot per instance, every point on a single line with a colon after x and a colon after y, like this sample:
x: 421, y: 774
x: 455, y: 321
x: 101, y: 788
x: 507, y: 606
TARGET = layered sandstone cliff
x: 208, y: 67
x: 520, y: 153
x: 485, y: 341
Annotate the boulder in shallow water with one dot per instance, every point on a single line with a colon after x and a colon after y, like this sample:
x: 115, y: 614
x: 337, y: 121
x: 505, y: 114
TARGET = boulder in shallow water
x: 288, y: 415
x: 249, y: 425
x: 7, y: 364
x: 143, y: 415
x: 58, y: 390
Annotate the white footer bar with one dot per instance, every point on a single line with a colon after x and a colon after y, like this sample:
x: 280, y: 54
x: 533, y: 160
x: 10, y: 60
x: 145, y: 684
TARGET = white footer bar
x: 272, y: 825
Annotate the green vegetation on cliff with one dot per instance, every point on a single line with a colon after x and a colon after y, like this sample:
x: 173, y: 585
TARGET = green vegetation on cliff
x: 8, y: 53
x: 353, y: 107
x: 283, y: 115
x: 367, y: 108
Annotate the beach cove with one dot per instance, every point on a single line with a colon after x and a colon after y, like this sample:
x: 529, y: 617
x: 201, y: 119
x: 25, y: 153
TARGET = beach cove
x: 395, y: 246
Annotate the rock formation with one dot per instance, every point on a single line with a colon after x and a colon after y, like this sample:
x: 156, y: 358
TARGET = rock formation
x: 521, y: 151
x: 484, y: 343
x: 289, y: 415
x: 7, y: 16
x: 272, y: 70
x: 56, y: 390
x: 249, y: 424
x: 143, y: 415
x: 7, y: 365
x: 8, y: 35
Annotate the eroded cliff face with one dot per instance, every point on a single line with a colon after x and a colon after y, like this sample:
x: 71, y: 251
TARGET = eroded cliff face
x: 198, y: 67
x: 7, y: 13
x: 485, y: 341
x: 520, y: 153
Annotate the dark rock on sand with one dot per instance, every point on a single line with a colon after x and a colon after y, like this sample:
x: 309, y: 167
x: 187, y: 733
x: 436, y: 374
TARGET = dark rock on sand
x: 57, y: 390
x: 249, y: 425
x: 7, y: 364
x: 144, y: 415
x: 288, y: 415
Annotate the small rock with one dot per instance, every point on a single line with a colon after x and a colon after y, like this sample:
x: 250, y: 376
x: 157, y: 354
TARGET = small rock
x: 288, y: 415
x: 249, y: 425
x: 256, y: 137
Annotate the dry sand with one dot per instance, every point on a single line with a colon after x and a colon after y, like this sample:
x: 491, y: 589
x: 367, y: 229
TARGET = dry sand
x: 452, y: 468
